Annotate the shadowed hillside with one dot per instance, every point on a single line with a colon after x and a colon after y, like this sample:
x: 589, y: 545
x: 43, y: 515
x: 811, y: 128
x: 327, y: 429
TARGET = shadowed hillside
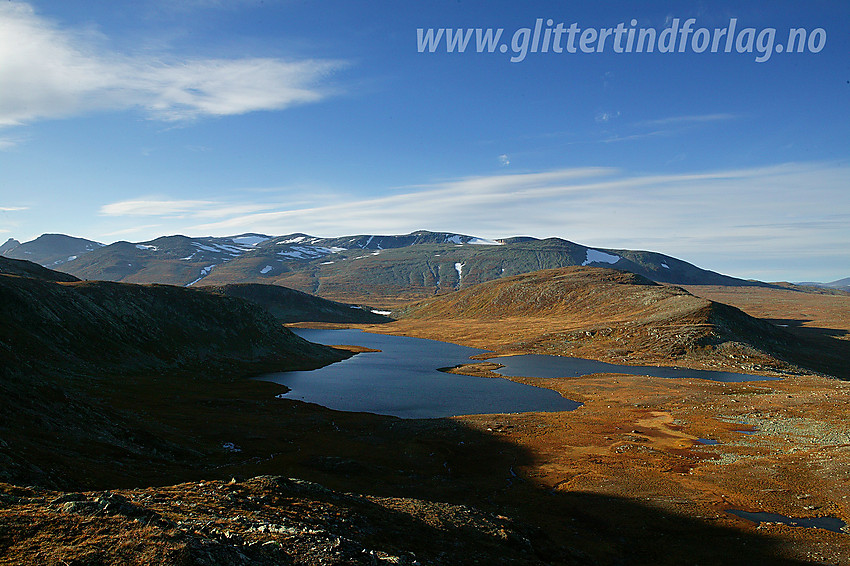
x: 289, y: 305
x: 130, y: 328
x: 23, y: 268
x: 64, y: 347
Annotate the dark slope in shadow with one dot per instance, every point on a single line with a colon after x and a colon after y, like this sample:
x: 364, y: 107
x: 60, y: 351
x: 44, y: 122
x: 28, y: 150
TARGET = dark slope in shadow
x: 822, y: 349
x: 437, y: 460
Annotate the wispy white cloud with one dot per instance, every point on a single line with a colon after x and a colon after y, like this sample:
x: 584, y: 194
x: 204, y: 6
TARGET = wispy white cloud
x: 152, y: 207
x: 693, y: 119
x: 171, y: 208
x: 12, y: 208
x: 645, y: 135
x: 145, y: 228
x: 225, y: 210
x: 604, y: 117
x: 50, y: 72
x: 662, y: 127
x: 7, y: 143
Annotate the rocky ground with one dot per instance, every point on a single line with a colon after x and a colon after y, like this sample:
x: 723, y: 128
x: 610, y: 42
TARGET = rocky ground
x: 264, y: 520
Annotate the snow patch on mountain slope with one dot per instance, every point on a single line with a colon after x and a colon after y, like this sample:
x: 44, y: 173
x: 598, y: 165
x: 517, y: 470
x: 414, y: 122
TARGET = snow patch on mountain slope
x: 249, y: 240
x: 233, y: 250
x: 459, y: 269
x: 266, y: 269
x: 61, y: 261
x: 204, y: 272
x: 219, y: 248
x: 595, y: 256
x: 484, y: 242
x: 146, y: 247
x: 205, y: 248
x: 309, y: 252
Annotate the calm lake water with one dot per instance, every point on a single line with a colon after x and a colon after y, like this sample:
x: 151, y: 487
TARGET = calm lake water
x: 536, y: 365
x: 403, y: 380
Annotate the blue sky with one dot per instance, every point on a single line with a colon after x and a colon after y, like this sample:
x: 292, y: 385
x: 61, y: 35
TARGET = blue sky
x: 126, y: 120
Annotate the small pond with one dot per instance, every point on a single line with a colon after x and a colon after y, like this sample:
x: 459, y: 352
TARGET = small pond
x: 833, y: 524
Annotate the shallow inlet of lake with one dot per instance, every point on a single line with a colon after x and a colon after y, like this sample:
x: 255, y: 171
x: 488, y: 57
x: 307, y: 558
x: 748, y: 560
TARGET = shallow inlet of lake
x: 404, y: 380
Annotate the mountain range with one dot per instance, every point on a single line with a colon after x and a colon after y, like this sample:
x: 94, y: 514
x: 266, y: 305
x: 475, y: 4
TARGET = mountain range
x: 841, y: 284
x: 49, y: 250
x: 350, y: 268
